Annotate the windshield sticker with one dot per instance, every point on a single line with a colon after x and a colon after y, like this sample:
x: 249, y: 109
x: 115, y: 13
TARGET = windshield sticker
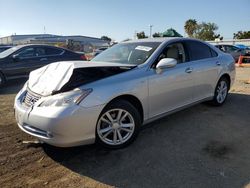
x: 143, y: 48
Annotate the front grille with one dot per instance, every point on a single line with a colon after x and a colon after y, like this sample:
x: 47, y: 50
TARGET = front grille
x: 31, y: 98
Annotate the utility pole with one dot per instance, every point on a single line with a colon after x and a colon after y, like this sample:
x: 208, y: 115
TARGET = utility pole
x: 150, y: 30
x: 135, y: 35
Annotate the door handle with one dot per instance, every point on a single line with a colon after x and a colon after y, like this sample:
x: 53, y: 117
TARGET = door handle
x: 218, y: 63
x: 189, y: 70
x: 43, y: 59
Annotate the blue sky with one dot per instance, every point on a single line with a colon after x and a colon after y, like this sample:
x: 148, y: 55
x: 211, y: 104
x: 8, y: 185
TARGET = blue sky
x: 119, y: 19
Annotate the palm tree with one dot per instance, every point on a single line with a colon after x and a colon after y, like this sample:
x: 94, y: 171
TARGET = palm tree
x: 190, y: 27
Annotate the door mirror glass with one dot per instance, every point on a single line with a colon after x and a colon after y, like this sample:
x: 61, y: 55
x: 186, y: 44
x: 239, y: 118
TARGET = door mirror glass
x: 166, y: 63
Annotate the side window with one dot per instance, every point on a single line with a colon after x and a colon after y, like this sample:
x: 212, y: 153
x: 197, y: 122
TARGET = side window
x: 175, y: 51
x: 221, y: 47
x: 198, y: 50
x: 27, y: 52
x: 53, y: 51
x: 232, y: 49
x: 40, y: 51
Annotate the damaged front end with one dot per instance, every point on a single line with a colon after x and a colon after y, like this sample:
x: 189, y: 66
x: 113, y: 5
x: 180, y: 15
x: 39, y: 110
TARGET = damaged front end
x: 58, y: 84
x: 82, y: 76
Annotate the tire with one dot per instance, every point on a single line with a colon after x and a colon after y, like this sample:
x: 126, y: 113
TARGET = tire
x: 2, y: 80
x: 221, y: 92
x: 118, y: 125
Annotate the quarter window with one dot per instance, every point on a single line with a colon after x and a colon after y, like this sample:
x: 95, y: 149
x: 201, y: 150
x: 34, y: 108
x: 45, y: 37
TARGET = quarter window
x: 213, y: 53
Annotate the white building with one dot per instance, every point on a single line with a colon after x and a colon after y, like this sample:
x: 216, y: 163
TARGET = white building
x: 77, y: 43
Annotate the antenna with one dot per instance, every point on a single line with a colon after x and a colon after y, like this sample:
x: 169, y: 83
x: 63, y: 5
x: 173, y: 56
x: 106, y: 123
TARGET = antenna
x: 44, y: 30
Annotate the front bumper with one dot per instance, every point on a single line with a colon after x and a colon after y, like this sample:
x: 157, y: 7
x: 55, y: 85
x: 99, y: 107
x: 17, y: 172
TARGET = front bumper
x: 58, y: 126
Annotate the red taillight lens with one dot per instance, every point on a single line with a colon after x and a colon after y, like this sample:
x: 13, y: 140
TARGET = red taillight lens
x: 83, y: 57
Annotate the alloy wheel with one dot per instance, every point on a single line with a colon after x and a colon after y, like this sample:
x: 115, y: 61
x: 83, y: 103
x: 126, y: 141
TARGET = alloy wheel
x: 115, y: 126
x: 222, y: 90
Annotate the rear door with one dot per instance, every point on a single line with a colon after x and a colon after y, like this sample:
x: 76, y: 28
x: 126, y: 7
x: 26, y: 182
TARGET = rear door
x: 54, y: 54
x: 205, y: 66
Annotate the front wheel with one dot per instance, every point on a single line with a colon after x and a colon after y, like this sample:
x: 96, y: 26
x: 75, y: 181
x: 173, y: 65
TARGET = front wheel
x: 221, y: 92
x: 118, y: 125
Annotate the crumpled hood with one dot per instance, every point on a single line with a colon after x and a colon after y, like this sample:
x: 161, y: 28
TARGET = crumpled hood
x: 51, y: 78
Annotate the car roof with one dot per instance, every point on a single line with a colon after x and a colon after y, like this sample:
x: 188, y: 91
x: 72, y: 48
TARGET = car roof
x: 39, y: 45
x: 225, y: 45
x: 158, y: 39
x: 24, y: 45
x: 165, y: 39
x: 6, y: 46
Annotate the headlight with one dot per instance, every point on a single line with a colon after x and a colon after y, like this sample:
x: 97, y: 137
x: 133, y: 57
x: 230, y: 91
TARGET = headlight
x: 66, y: 99
x: 24, y: 88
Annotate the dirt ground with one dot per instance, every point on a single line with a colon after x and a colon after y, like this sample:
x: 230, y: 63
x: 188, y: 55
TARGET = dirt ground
x: 201, y: 146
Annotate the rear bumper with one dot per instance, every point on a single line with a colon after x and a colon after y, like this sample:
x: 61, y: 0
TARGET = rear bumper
x: 58, y: 126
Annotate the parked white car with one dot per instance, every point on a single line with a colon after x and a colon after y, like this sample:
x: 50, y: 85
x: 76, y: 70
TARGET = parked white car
x: 128, y: 85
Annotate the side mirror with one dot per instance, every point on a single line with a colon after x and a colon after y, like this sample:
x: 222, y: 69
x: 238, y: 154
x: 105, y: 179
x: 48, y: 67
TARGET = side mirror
x: 166, y: 63
x: 16, y: 57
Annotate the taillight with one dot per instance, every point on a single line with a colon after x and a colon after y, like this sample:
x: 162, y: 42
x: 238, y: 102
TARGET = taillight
x: 83, y: 57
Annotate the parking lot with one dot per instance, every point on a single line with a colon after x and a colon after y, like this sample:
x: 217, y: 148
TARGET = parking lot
x: 201, y: 146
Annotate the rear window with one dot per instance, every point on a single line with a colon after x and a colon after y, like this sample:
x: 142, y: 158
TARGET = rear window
x: 198, y: 51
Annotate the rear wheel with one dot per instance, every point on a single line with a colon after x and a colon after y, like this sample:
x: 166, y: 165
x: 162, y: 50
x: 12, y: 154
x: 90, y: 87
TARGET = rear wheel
x: 118, y: 125
x: 221, y: 92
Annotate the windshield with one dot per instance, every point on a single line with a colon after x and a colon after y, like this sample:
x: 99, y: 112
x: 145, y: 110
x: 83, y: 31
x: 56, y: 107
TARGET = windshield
x: 128, y: 53
x: 9, y: 51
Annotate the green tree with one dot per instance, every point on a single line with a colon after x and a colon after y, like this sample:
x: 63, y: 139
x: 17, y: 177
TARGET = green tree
x: 155, y: 35
x: 171, y: 33
x: 106, y: 38
x: 242, y: 35
x: 202, y: 31
x: 141, y: 35
x: 190, y: 27
x: 206, y: 31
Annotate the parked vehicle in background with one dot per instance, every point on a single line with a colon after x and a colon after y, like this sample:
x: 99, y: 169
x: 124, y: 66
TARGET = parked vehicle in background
x: 99, y: 50
x: 3, y: 48
x: 245, y: 48
x: 132, y: 83
x: 241, y: 46
x: 18, y: 61
x: 83, y: 55
x: 236, y: 52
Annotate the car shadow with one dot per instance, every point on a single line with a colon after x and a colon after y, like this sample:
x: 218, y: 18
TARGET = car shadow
x: 171, y: 152
x: 12, y: 86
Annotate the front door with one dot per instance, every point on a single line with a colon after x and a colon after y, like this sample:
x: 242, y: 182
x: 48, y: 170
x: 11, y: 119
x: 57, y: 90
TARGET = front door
x: 25, y: 60
x: 170, y: 88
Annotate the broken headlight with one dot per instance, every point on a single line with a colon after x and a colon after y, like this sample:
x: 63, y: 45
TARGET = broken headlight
x: 66, y: 99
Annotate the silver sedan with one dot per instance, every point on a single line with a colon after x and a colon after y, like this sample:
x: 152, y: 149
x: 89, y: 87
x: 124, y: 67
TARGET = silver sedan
x: 108, y: 99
